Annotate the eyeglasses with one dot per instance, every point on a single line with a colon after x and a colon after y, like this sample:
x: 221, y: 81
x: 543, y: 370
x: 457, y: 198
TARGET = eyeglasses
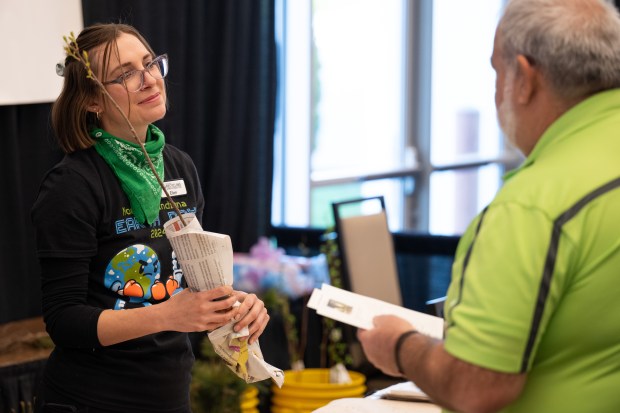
x: 133, y: 80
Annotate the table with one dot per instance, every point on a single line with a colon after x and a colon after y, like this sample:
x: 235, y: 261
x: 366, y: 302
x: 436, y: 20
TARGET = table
x: 23, y: 354
x: 376, y: 404
x: 367, y: 405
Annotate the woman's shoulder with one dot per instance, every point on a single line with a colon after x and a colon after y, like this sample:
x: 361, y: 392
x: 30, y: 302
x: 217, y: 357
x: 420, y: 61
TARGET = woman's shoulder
x: 178, y: 158
x: 75, y: 170
x: 69, y: 161
x: 73, y: 183
x: 176, y: 153
x: 84, y: 159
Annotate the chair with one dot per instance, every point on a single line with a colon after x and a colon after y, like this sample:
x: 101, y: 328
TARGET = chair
x: 368, y: 267
x: 435, y: 306
x: 368, y: 260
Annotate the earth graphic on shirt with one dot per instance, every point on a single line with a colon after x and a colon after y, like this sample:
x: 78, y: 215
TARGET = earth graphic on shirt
x: 134, y: 274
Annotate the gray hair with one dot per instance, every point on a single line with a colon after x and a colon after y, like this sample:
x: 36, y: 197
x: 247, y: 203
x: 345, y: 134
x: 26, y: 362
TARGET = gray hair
x: 575, y: 43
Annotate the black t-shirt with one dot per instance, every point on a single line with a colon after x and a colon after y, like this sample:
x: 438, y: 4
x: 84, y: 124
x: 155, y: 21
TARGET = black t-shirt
x: 94, y: 255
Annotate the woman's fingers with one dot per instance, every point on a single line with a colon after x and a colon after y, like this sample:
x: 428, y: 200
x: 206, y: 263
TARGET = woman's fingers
x: 252, y: 314
x: 219, y: 292
x: 199, y: 311
x: 208, y: 310
x: 257, y: 327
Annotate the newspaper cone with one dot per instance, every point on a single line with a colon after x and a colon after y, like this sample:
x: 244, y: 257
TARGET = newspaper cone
x: 245, y: 360
x: 206, y: 259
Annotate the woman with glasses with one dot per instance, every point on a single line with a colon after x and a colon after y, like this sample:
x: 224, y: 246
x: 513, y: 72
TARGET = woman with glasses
x: 113, y: 294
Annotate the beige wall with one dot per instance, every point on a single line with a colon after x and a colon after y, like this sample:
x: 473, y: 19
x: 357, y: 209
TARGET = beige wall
x: 31, y: 44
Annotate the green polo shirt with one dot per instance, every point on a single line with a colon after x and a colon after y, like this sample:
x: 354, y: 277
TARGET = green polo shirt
x: 536, y: 279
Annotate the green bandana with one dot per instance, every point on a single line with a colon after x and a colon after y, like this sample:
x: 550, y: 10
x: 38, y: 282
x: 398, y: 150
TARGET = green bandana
x: 131, y: 168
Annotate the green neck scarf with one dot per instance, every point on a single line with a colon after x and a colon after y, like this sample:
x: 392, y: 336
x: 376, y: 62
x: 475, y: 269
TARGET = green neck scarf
x: 132, y: 170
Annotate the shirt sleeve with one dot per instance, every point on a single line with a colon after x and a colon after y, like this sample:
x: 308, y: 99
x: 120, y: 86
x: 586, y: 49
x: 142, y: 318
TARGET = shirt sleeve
x: 65, y: 215
x: 69, y: 320
x: 64, y: 218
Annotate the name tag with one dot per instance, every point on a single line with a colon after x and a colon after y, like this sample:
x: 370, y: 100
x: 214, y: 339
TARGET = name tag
x: 175, y: 188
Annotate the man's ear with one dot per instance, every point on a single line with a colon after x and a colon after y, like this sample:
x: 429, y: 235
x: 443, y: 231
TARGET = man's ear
x: 527, y: 80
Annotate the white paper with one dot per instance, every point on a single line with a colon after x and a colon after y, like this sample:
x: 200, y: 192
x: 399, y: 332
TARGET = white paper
x: 358, y: 310
x: 406, y: 391
x: 359, y: 405
x: 205, y: 257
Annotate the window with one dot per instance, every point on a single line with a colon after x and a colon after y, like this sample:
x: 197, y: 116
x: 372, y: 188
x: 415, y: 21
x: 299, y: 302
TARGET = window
x: 392, y: 98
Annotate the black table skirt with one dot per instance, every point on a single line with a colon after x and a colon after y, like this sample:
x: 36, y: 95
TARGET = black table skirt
x: 18, y: 386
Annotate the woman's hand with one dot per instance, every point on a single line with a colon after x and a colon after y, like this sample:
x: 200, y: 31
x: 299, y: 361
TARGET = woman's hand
x: 251, y: 313
x: 190, y: 311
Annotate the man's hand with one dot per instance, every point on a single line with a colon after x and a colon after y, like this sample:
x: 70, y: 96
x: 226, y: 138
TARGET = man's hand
x: 378, y: 343
x: 450, y: 382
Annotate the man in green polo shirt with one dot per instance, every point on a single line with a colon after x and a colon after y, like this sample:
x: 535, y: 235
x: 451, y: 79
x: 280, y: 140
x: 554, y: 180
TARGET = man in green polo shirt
x: 533, y: 309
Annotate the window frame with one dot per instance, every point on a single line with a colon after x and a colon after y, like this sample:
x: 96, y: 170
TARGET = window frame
x: 296, y: 189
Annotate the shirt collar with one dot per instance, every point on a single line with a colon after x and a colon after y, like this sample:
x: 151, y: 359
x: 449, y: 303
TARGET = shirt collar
x: 583, y: 113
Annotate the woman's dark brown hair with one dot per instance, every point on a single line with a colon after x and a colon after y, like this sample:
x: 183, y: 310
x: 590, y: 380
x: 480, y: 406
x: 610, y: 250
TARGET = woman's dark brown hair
x: 71, y: 119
